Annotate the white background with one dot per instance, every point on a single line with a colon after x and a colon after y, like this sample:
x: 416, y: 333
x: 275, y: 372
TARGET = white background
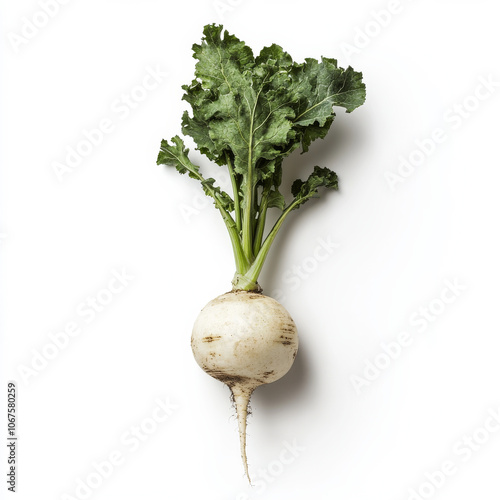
x: 63, y: 237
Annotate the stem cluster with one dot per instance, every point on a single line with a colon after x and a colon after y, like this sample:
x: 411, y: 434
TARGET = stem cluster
x: 247, y: 228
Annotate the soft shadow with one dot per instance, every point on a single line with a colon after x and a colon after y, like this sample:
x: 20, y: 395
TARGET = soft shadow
x: 342, y: 138
x: 290, y: 387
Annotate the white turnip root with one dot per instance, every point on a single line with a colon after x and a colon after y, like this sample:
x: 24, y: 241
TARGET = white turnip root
x: 244, y: 339
x: 248, y: 114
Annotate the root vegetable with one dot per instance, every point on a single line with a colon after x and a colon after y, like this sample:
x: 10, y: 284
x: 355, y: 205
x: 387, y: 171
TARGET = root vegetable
x: 244, y: 339
x: 248, y: 114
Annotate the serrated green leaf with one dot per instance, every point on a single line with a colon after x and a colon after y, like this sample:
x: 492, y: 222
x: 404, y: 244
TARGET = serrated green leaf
x: 321, y: 86
x: 329, y: 86
x: 262, y: 108
x: 176, y: 155
x: 222, y: 60
x: 276, y: 200
x: 249, y: 113
x: 314, y: 131
x: 216, y: 192
x: 305, y: 190
x: 243, y: 107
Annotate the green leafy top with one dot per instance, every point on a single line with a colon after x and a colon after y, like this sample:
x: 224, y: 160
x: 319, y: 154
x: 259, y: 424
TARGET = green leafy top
x: 249, y: 113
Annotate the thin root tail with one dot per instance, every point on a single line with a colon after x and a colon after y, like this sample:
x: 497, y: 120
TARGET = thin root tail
x: 241, y: 397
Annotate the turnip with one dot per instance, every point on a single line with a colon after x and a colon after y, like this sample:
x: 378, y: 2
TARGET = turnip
x: 248, y: 114
x: 244, y: 339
